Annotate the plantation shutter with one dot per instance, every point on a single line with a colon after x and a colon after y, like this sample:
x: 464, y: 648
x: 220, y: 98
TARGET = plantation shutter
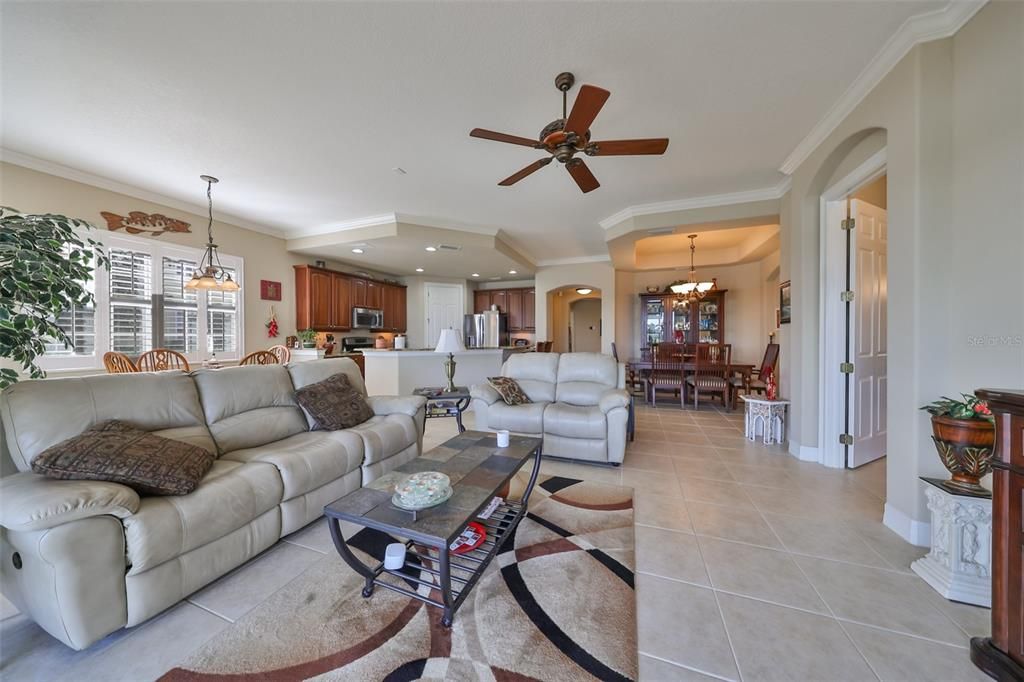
x: 131, y: 305
x: 222, y: 320
x: 180, y: 306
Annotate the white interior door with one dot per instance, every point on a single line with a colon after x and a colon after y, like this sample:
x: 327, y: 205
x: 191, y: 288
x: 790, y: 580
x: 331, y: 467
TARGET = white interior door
x: 445, y: 303
x: 869, y: 284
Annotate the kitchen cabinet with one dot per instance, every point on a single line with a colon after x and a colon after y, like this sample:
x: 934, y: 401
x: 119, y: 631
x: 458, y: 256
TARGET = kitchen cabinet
x: 519, y: 303
x: 374, y: 294
x: 665, y: 318
x: 324, y: 300
x: 359, y: 293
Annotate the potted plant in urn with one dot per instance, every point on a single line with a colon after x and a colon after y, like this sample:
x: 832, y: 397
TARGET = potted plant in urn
x: 964, y: 433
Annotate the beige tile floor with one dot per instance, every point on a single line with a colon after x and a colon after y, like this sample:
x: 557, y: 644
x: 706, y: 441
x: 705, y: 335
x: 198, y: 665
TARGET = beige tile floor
x: 751, y: 565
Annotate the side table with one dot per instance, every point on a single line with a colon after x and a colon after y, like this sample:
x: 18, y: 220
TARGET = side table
x: 443, y: 403
x: 959, y: 564
x: 769, y: 415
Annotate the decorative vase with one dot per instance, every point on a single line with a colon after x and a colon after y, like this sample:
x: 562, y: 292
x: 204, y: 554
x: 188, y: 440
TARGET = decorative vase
x: 965, y: 448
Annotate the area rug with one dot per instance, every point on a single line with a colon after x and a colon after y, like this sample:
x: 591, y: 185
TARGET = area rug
x: 557, y: 603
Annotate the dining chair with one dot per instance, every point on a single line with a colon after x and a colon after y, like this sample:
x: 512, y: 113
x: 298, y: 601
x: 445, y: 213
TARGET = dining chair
x: 118, y: 363
x: 160, y: 359
x: 711, y: 373
x: 260, y: 357
x: 666, y: 373
x: 282, y: 353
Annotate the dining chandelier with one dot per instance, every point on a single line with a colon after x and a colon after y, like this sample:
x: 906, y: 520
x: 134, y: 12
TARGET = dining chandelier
x: 691, y: 289
x: 211, y: 274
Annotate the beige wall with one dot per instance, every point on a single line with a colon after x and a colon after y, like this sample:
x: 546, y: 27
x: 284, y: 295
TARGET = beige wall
x: 875, y: 193
x: 585, y: 325
x: 265, y: 256
x: 952, y: 112
x: 594, y: 275
x: 560, y: 304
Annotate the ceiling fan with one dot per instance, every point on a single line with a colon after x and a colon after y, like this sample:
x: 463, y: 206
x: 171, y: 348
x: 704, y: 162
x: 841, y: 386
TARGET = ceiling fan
x: 565, y: 137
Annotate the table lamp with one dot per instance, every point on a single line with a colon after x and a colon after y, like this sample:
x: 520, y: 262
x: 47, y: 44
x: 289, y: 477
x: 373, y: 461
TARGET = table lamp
x: 450, y: 342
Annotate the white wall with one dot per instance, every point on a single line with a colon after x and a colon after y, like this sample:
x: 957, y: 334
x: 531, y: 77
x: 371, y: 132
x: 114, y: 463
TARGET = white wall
x: 952, y: 112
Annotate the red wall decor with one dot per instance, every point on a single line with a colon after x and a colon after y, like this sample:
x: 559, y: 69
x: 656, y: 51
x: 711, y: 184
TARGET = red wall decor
x: 270, y: 291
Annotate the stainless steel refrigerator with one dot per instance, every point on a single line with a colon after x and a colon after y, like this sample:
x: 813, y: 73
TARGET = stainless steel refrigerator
x: 488, y: 329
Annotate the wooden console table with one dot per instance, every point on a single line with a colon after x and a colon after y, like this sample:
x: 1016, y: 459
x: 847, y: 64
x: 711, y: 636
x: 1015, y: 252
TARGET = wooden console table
x: 1001, y: 656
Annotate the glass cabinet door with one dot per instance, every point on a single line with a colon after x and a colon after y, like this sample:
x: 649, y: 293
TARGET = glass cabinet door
x: 680, y: 322
x: 654, y: 321
x: 708, y: 321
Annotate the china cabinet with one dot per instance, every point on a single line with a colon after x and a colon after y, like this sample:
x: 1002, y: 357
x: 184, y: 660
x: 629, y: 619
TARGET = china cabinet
x: 665, y: 318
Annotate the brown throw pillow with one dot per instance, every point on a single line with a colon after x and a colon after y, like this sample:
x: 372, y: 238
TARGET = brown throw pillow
x: 334, y: 403
x: 509, y: 390
x: 120, y: 453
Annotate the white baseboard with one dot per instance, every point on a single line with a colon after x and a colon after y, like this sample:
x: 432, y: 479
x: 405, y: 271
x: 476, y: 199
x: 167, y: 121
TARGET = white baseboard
x: 917, y: 533
x: 803, y: 452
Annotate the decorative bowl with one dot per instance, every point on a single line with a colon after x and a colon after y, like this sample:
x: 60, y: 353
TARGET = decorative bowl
x: 422, y: 490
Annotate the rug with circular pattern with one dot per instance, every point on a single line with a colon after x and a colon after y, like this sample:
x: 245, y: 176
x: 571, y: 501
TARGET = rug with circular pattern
x: 557, y: 603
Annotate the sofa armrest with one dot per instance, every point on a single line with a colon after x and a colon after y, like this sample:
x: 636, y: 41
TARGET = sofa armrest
x: 384, y: 405
x: 609, y: 400
x: 484, y: 392
x: 32, y: 502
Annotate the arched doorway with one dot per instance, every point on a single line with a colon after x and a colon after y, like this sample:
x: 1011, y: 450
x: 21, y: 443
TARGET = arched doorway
x: 575, y: 319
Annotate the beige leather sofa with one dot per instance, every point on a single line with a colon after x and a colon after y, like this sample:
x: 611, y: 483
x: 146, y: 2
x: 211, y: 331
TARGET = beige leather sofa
x: 580, y: 406
x: 86, y: 558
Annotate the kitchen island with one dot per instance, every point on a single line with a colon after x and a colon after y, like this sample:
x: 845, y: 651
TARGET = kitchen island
x: 398, y: 372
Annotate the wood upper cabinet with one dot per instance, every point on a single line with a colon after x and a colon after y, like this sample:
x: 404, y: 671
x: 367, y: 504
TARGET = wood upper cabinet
x: 324, y: 300
x: 481, y: 300
x: 514, y: 303
x: 520, y: 305
x: 529, y: 310
x: 359, y: 293
x: 374, y: 294
x: 342, y: 301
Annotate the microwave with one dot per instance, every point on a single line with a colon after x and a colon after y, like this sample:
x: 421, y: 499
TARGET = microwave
x: 367, y: 318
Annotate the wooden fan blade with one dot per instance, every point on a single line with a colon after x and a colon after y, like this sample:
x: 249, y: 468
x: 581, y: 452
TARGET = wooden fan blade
x: 656, y: 145
x: 532, y: 168
x: 582, y: 175
x: 502, y: 137
x: 585, y: 109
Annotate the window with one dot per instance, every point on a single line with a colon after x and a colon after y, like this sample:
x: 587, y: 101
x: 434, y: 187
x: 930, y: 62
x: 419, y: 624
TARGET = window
x: 142, y: 303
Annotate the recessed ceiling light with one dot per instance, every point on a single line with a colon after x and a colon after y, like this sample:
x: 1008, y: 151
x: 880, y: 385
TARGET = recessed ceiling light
x: 511, y: 272
x: 419, y: 269
x: 476, y: 274
x: 357, y: 250
x: 431, y: 248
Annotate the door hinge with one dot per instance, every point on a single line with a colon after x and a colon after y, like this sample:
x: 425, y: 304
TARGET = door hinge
x: 846, y: 296
x: 846, y: 367
x: 845, y: 439
x: 849, y: 223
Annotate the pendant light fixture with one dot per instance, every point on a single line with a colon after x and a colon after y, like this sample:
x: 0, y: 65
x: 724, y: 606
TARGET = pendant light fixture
x: 691, y: 289
x: 211, y: 274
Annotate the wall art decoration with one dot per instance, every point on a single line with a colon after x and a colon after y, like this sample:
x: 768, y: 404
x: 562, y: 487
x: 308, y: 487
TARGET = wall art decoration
x: 270, y: 290
x: 137, y: 222
x: 785, y: 303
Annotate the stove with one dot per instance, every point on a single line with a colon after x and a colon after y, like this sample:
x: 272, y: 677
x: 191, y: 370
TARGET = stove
x: 351, y: 343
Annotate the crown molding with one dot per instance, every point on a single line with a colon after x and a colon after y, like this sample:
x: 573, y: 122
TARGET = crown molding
x: 75, y: 175
x: 576, y: 260
x: 706, y: 201
x: 917, y: 29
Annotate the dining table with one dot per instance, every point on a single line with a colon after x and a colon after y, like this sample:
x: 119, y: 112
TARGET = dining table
x: 688, y: 365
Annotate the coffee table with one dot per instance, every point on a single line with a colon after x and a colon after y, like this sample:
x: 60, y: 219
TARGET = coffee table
x: 478, y: 470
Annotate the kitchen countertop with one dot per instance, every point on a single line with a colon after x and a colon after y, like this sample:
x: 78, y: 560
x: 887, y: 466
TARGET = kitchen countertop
x: 430, y: 351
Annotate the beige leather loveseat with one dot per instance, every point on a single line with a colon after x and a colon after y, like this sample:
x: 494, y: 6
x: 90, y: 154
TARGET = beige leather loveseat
x: 580, y: 406
x: 85, y: 558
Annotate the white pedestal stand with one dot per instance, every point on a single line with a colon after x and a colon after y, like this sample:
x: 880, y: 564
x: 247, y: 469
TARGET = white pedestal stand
x: 769, y: 415
x: 959, y: 563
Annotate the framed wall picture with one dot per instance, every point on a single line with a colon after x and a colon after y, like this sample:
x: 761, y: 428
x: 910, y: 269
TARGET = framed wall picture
x: 785, y: 303
x: 270, y: 290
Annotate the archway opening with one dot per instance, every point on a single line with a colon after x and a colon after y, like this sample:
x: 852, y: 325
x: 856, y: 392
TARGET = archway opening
x: 574, y: 319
